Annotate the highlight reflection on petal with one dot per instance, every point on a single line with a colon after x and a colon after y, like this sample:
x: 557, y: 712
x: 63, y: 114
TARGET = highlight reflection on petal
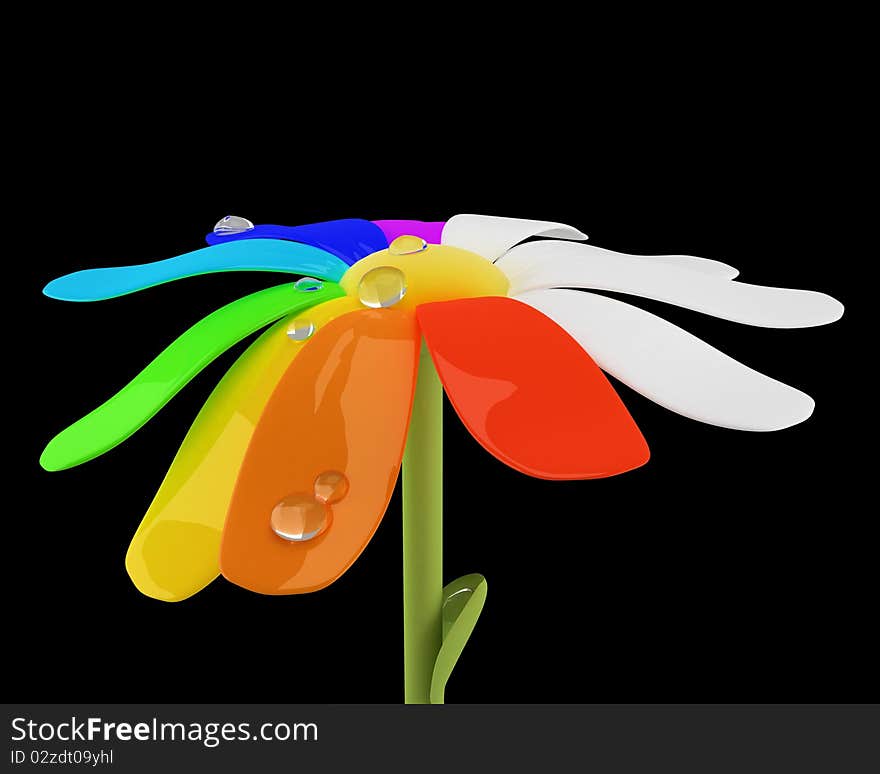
x: 669, y: 365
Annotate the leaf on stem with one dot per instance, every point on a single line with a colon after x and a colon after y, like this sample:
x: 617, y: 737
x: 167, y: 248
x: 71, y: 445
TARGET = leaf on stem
x: 463, y: 601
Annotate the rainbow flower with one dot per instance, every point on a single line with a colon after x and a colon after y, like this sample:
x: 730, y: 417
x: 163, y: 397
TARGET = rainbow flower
x: 289, y: 466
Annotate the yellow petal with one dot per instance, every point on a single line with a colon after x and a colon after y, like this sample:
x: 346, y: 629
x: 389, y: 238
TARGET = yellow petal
x: 175, y: 551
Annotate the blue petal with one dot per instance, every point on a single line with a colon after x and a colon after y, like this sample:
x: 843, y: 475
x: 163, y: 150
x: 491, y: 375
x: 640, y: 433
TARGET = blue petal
x: 350, y: 239
x: 251, y: 255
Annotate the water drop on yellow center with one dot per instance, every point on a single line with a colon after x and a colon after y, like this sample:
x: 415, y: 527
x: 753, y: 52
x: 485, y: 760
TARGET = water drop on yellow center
x: 382, y: 287
x: 406, y: 245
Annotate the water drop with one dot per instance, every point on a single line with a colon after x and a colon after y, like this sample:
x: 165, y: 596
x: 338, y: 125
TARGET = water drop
x: 381, y: 287
x: 301, y: 329
x: 299, y: 517
x: 406, y: 245
x: 331, y: 486
x: 232, y: 224
x: 453, y: 606
x: 308, y: 284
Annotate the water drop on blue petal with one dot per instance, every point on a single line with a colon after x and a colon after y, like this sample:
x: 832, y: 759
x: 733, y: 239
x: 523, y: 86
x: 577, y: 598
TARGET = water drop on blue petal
x: 232, y: 224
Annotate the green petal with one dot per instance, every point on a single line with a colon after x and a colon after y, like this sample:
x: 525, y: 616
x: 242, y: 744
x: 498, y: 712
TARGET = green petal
x: 131, y: 407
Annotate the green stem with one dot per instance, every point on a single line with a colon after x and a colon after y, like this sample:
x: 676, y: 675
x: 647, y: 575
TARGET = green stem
x: 423, y: 534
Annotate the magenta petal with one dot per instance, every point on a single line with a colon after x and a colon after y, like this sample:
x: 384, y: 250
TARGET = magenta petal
x: 428, y: 230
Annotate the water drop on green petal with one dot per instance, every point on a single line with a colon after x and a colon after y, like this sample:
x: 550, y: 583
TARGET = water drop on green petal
x: 308, y: 284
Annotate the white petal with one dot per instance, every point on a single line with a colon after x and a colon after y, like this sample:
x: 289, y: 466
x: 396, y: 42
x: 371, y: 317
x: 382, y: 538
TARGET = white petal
x: 689, y: 262
x: 565, y: 264
x: 669, y: 365
x: 492, y: 236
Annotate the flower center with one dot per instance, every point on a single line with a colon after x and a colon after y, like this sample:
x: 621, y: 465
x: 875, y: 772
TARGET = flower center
x: 410, y: 273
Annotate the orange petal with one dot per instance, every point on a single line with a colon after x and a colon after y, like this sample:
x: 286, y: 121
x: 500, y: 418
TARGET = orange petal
x: 528, y: 392
x: 342, y: 406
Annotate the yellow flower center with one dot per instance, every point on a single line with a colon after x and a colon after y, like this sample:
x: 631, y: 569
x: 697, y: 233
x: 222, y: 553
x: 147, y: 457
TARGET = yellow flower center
x: 410, y: 273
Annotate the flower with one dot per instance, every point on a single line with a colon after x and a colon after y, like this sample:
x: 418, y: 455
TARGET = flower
x: 287, y: 470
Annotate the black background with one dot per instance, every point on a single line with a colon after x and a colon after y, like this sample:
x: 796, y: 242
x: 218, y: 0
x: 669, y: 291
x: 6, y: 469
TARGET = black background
x: 733, y: 567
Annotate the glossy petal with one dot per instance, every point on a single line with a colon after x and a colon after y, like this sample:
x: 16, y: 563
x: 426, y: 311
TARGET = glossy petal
x: 563, y: 264
x: 669, y: 365
x: 437, y: 273
x: 528, y: 392
x: 430, y: 231
x: 691, y: 262
x: 349, y: 240
x: 176, y: 549
x: 492, y: 236
x: 130, y: 408
x: 255, y: 255
x: 343, y: 405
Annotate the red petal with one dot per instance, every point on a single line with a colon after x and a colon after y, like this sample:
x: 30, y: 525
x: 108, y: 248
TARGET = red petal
x: 528, y: 392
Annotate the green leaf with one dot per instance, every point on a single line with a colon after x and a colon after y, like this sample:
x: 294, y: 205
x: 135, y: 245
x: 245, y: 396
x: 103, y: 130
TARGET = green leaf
x: 463, y: 601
